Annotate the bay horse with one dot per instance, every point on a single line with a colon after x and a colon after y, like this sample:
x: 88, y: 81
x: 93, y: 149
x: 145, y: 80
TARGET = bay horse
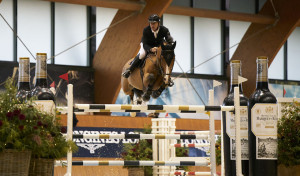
x: 151, y: 78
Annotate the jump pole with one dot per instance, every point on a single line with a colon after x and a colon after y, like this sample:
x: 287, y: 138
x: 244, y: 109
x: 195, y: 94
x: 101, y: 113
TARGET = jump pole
x: 237, y: 132
x: 212, y: 134
x: 70, y: 127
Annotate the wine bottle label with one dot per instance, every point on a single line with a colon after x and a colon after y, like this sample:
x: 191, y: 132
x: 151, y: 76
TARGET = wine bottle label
x: 230, y: 130
x: 235, y: 72
x: 41, y: 66
x: 264, y: 119
x: 244, y: 148
x: 24, y: 70
x: 262, y: 70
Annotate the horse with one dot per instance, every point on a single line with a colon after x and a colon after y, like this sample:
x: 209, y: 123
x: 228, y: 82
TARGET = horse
x: 152, y: 77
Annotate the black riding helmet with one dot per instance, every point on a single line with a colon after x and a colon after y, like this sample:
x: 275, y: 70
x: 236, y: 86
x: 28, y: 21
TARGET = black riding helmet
x: 153, y: 18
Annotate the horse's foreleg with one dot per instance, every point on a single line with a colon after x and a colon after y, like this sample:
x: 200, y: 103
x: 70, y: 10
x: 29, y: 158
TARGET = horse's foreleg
x: 167, y: 77
x: 132, y: 114
x: 157, y: 93
x: 138, y: 94
x: 149, y: 80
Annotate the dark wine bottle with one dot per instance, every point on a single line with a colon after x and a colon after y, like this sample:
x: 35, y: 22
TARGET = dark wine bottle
x: 229, y: 125
x: 262, y: 125
x: 41, y: 90
x: 23, y: 93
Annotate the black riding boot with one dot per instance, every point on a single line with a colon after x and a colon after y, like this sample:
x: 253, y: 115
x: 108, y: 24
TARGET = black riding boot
x: 136, y: 61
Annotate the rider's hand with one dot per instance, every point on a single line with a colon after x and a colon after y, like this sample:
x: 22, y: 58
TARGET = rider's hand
x: 153, y: 50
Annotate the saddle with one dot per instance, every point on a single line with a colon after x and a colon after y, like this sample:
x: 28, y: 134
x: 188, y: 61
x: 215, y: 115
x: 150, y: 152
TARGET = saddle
x: 143, y: 63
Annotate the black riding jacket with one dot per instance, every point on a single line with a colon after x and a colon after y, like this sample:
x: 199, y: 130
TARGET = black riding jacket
x: 149, y: 41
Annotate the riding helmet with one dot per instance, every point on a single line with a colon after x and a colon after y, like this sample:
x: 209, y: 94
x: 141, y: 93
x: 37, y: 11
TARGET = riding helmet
x: 153, y: 18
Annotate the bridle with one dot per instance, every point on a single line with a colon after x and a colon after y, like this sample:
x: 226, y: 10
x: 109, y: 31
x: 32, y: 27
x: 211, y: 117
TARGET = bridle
x: 168, y: 55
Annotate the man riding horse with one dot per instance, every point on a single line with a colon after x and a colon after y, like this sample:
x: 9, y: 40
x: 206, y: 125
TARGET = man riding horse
x: 153, y: 36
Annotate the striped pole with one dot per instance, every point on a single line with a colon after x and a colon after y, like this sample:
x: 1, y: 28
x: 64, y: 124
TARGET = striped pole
x: 191, y: 145
x: 133, y: 163
x: 190, y: 173
x: 149, y: 108
x: 196, y: 132
x: 184, y: 173
x: 138, y: 136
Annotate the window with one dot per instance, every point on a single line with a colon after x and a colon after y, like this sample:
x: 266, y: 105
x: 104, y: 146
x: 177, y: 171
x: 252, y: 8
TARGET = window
x: 237, y: 30
x: 207, y: 45
x: 293, y: 53
x: 244, y: 6
x: 70, y: 28
x: 34, y: 28
x: 104, y: 19
x: 6, y: 34
x: 276, y: 68
x: 180, y: 29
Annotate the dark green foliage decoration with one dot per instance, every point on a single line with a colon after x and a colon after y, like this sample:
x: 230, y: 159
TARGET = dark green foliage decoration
x: 24, y: 127
x: 289, y: 135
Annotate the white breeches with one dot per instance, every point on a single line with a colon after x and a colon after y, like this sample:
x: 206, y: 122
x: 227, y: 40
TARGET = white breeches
x: 142, y: 52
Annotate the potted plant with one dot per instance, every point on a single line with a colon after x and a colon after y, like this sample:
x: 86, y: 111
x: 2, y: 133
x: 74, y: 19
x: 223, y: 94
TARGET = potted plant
x: 16, y: 132
x: 25, y: 129
x: 289, y: 140
x: 48, y: 145
x: 143, y: 151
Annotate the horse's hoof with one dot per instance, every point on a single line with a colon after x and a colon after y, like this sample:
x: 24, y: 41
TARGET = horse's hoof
x: 171, y: 83
x: 156, y: 94
x: 139, y: 102
x: 146, y: 97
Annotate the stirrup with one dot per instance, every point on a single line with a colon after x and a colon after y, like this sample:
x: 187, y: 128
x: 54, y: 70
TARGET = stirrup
x: 126, y: 74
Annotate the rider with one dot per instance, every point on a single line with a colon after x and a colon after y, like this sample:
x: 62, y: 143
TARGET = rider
x: 153, y: 36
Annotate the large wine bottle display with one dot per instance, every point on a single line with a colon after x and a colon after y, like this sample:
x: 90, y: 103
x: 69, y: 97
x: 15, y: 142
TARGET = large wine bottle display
x: 262, y: 126
x: 229, y: 125
x: 41, y: 90
x: 23, y: 93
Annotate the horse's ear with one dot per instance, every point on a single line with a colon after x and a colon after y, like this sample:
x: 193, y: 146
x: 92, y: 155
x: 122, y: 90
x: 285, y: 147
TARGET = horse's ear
x: 174, y: 45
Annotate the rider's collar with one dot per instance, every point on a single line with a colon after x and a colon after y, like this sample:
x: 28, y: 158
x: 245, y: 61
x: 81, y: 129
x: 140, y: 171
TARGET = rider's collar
x: 155, y: 32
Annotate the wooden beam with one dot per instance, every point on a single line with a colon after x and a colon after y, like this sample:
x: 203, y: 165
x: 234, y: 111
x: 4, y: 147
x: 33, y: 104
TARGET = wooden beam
x: 106, y: 121
x: 266, y: 40
x: 120, y: 43
x: 176, y: 10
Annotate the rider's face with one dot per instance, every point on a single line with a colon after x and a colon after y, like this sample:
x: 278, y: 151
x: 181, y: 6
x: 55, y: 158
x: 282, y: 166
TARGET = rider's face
x: 154, y: 26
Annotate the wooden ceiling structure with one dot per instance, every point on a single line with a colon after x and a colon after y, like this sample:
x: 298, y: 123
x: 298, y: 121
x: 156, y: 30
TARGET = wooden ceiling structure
x: 265, y: 36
